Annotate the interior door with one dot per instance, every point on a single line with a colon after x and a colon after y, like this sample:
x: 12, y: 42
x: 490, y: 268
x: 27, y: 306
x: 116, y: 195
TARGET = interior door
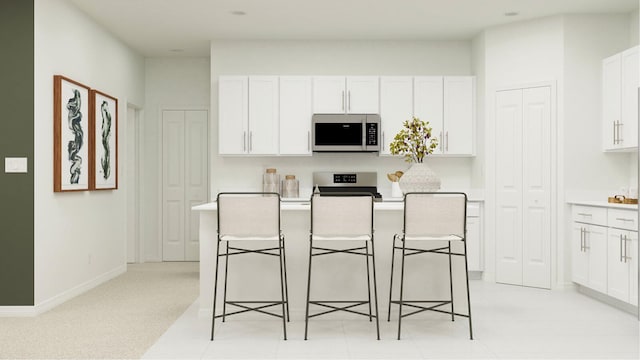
x: 536, y: 187
x: 509, y: 187
x: 184, y: 181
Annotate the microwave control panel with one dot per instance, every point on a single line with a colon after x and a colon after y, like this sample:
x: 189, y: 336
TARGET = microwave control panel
x: 372, y: 134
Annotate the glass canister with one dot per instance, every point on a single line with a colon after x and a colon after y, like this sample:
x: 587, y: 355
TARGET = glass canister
x: 271, y: 181
x: 290, y: 187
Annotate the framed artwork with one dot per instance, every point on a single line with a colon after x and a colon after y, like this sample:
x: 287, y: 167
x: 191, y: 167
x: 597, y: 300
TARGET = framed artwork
x: 71, y: 142
x: 104, y: 137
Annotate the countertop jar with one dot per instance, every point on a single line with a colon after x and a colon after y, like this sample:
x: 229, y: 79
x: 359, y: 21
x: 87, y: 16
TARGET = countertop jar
x: 271, y: 181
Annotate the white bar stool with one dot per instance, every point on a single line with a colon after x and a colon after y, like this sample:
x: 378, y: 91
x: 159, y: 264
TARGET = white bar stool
x: 429, y: 217
x: 336, y: 218
x: 246, y: 216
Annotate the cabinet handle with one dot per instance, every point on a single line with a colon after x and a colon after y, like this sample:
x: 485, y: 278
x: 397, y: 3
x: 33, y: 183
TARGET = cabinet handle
x: 581, y: 239
x: 441, y: 142
x: 447, y: 137
x: 244, y: 141
x: 615, y: 141
x: 342, y: 100
x: 349, y: 99
x: 621, y: 256
x: 585, y: 240
x: 624, y: 219
x: 620, y: 139
x: 585, y: 214
x: 250, y: 141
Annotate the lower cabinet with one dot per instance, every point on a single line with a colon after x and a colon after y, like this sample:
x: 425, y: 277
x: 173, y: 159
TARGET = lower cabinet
x: 474, y: 237
x: 604, y: 251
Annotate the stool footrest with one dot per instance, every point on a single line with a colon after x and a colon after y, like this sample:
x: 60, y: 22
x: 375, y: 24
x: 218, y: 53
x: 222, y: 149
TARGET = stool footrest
x: 438, y: 303
x: 347, y: 308
x: 248, y: 308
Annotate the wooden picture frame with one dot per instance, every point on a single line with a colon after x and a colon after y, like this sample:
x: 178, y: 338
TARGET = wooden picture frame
x: 71, y: 140
x: 103, y: 129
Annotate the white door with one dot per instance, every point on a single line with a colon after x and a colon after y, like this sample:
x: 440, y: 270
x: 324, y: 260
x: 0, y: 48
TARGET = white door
x: 596, y: 242
x: 295, y: 115
x: 523, y: 187
x: 611, y: 100
x: 459, y: 110
x: 396, y: 106
x: 633, y: 267
x: 617, y: 265
x: 579, y: 255
x: 131, y: 178
x: 629, y: 105
x: 536, y: 187
x: 329, y: 95
x: 184, y: 181
x: 428, y: 104
x: 509, y: 187
x: 363, y: 95
x: 233, y: 107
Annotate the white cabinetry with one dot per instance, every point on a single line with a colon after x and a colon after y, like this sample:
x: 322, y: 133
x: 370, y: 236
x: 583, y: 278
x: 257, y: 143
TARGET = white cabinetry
x: 448, y: 104
x: 620, y: 101
x: 396, y: 106
x: 604, y: 250
x: 622, y: 265
x: 295, y: 115
x: 248, y: 115
x: 339, y: 95
x: 474, y: 237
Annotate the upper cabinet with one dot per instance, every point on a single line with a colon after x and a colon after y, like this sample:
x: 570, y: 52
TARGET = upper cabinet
x: 448, y: 103
x: 396, y: 106
x: 620, y: 101
x: 248, y: 111
x: 351, y: 95
x: 295, y: 115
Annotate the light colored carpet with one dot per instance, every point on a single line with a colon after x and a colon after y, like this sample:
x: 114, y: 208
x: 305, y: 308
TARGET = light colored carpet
x: 120, y: 319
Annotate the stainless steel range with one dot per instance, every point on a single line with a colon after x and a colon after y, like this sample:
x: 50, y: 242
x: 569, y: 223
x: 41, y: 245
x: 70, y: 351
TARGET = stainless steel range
x: 335, y: 182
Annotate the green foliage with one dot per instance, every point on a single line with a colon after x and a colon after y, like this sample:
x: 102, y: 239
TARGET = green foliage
x: 414, y: 141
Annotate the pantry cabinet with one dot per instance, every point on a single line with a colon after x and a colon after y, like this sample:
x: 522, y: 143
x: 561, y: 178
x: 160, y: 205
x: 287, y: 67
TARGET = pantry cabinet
x: 350, y: 95
x: 620, y: 101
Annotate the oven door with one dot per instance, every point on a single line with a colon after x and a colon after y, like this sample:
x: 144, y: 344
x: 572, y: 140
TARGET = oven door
x: 338, y: 132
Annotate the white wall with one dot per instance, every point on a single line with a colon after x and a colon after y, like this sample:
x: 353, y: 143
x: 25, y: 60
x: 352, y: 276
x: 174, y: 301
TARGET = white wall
x: 170, y: 83
x: 331, y: 58
x: 79, y: 237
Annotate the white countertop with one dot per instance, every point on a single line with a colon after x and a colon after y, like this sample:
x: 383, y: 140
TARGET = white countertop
x: 605, y: 204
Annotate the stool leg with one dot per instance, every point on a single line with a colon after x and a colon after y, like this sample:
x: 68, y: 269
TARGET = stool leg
x: 451, y: 282
x: 226, y: 271
x: 282, y: 286
x: 306, y: 316
x: 393, y: 253
x: 466, y: 271
x: 375, y: 288
x: 366, y: 245
x: 401, y: 286
x: 286, y: 284
x: 215, y: 287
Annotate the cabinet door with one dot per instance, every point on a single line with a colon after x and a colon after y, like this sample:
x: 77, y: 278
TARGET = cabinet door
x: 263, y: 115
x: 329, y: 95
x: 428, y: 105
x: 474, y: 244
x: 295, y: 115
x: 579, y: 256
x: 363, y: 96
x: 617, y: 265
x: 596, y: 240
x: 232, y: 115
x: 458, y: 115
x: 396, y: 106
x: 629, y: 111
x: 611, y: 100
x: 633, y: 267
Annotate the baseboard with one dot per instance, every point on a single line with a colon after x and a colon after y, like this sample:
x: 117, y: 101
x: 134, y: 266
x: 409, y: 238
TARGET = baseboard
x: 619, y: 304
x: 82, y: 288
x: 17, y: 311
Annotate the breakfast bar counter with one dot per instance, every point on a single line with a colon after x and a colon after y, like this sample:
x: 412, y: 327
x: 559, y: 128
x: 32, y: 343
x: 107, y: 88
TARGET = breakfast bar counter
x: 256, y: 275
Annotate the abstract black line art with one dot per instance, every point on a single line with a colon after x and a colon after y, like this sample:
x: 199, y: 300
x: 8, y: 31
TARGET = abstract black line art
x: 105, y: 161
x: 74, y: 118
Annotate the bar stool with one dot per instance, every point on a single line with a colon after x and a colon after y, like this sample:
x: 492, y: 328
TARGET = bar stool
x: 246, y: 216
x: 429, y: 217
x: 336, y: 218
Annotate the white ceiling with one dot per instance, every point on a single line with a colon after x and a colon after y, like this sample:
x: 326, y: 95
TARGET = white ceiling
x: 159, y: 27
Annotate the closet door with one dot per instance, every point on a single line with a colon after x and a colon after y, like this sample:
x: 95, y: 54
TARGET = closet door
x: 523, y: 187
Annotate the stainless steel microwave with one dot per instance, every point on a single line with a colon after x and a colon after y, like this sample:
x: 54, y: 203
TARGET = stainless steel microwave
x: 345, y: 132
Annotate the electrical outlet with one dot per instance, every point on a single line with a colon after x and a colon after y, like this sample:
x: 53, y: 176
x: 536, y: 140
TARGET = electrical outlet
x: 15, y: 165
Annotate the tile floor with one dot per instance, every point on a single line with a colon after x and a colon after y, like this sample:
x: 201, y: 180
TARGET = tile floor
x: 509, y: 322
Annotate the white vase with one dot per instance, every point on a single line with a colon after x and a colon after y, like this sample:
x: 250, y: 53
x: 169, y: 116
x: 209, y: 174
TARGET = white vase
x: 419, y: 178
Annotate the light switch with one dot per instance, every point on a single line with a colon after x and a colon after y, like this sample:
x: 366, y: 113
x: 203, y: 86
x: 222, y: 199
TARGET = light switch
x: 15, y: 165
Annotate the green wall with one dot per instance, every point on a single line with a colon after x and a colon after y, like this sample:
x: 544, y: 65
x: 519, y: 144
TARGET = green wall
x: 16, y: 140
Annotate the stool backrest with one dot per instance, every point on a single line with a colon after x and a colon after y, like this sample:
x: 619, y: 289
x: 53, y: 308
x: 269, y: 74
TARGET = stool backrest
x: 435, y: 214
x: 248, y: 214
x: 347, y: 214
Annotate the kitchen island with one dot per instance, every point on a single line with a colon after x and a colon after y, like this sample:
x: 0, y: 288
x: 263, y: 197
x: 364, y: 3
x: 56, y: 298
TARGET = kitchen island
x: 252, y: 277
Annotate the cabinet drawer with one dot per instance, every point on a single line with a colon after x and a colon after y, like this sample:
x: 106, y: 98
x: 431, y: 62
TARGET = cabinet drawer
x: 623, y: 219
x: 589, y: 214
